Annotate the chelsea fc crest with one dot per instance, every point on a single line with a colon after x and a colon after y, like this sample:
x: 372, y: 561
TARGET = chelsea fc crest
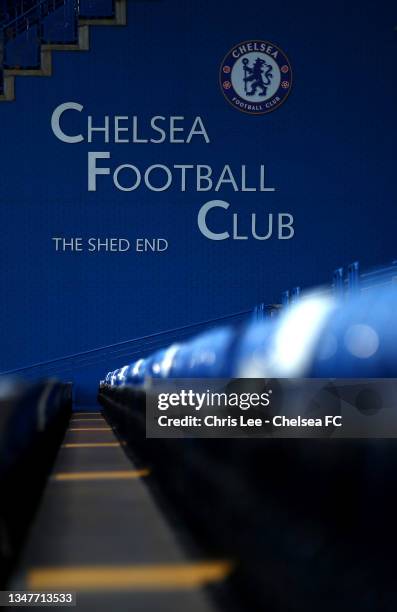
x: 255, y: 77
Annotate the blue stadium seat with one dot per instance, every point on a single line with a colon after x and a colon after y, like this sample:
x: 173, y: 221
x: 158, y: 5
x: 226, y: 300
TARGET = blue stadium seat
x: 206, y: 355
x: 251, y: 349
x: 360, y: 339
x: 284, y: 348
x: 160, y: 363
x: 135, y: 374
x: 113, y: 378
x: 120, y: 377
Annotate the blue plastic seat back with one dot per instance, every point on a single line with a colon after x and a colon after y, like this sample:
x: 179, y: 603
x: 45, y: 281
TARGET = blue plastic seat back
x: 135, y: 374
x: 360, y: 338
x: 206, y: 355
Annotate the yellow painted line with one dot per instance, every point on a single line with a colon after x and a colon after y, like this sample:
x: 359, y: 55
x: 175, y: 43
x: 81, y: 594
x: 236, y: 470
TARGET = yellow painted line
x: 108, y: 475
x: 80, y: 414
x: 129, y: 577
x: 90, y: 429
x: 91, y: 445
x: 85, y: 420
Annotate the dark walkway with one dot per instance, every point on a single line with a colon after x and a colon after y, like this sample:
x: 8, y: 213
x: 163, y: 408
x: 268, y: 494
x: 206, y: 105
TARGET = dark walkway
x: 99, y: 532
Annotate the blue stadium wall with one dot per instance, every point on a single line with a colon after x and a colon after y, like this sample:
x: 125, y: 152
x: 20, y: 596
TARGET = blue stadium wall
x: 329, y: 151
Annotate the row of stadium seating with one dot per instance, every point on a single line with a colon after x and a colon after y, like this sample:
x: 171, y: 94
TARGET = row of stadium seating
x: 309, y: 523
x: 322, y: 334
x: 33, y: 417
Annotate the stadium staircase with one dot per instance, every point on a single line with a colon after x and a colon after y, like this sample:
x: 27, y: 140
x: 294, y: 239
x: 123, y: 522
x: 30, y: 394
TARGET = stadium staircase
x: 30, y: 30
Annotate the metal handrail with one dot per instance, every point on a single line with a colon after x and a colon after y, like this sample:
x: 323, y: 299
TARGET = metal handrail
x: 24, y: 17
x: 123, y: 346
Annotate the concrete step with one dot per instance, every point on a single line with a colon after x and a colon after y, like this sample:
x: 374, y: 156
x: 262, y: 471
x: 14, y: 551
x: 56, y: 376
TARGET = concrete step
x: 99, y: 533
x: 83, y: 43
x: 120, y: 18
x: 9, y: 90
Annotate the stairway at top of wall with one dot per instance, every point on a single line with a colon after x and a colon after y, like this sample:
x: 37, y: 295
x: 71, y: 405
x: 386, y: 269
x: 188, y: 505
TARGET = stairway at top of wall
x: 30, y: 34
